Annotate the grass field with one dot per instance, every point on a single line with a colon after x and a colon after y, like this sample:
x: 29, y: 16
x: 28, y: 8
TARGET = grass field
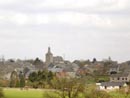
x: 17, y: 93
x: 38, y: 93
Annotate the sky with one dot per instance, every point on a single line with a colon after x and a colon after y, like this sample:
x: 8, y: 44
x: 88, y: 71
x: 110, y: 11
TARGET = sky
x: 74, y: 29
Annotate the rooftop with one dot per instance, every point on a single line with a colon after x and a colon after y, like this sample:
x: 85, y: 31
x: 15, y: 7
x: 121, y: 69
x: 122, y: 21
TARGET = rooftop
x: 112, y: 84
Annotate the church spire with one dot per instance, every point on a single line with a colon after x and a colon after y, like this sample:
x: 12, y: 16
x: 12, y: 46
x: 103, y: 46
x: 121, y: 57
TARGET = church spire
x: 49, y: 57
x: 49, y: 50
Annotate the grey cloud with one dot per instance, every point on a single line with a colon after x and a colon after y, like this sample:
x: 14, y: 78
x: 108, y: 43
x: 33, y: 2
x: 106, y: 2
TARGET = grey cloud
x: 92, y: 38
x: 102, y: 7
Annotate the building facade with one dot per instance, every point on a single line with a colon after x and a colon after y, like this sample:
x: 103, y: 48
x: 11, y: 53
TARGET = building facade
x: 125, y: 77
x: 111, y: 85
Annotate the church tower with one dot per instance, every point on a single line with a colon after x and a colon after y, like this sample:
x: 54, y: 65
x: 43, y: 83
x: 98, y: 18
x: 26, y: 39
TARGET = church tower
x: 49, y: 57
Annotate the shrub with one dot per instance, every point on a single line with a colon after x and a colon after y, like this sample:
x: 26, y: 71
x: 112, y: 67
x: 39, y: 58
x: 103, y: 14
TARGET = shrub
x: 92, y: 92
x: 97, y: 94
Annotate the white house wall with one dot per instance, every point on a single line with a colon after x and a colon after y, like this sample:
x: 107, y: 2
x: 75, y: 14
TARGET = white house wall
x: 108, y: 88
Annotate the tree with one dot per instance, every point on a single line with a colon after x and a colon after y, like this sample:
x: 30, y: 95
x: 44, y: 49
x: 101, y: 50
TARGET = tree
x: 14, y: 79
x: 41, y: 78
x: 66, y: 88
x: 37, y: 61
x: 11, y: 60
x: 94, y: 60
x: 50, y: 76
x: 33, y: 77
x: 82, y: 63
x: 22, y: 80
x: 1, y: 93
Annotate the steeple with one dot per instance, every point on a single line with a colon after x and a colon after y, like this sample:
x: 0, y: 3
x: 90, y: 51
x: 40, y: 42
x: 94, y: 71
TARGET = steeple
x: 49, y: 50
x: 49, y: 57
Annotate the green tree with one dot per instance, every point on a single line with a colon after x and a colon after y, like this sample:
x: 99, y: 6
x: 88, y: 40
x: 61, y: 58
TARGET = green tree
x: 94, y: 60
x: 50, y: 76
x: 1, y: 93
x: 33, y: 77
x: 17, y: 83
x: 37, y: 61
x: 22, y: 80
x: 14, y: 79
x: 41, y: 78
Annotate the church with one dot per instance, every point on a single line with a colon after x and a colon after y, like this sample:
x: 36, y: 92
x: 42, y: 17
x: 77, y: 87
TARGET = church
x: 50, y: 59
x: 58, y: 65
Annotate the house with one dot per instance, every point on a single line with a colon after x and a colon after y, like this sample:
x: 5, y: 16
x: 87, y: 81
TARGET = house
x: 114, y: 69
x: 55, y: 69
x: 125, y: 77
x: 65, y: 72
x: 111, y: 85
x: 75, y: 67
x: 58, y: 59
x: 83, y: 71
x: 70, y: 72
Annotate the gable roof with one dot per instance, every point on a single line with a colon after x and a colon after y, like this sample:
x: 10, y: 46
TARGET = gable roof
x: 120, y: 75
x: 113, y: 83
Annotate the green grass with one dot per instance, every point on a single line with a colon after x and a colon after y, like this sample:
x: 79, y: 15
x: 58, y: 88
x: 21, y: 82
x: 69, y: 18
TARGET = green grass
x: 17, y: 93
x: 119, y: 95
x: 37, y: 93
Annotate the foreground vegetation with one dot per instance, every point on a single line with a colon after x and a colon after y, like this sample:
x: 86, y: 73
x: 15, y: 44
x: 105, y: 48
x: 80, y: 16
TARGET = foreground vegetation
x: 38, y: 82
x: 39, y: 93
x: 18, y: 93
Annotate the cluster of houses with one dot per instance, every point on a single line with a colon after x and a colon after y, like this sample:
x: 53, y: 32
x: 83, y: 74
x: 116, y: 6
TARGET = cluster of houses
x: 55, y: 64
x: 117, y: 80
x: 67, y: 69
x: 61, y: 67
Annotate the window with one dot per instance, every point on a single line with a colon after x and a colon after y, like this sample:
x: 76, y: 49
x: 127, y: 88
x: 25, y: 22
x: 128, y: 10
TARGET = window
x: 118, y: 78
x: 122, y: 78
x: 125, y: 78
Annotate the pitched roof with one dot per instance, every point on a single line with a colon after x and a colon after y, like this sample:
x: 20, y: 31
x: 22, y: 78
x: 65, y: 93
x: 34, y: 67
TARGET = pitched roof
x: 120, y: 75
x: 112, y: 84
x: 51, y: 65
x: 68, y: 69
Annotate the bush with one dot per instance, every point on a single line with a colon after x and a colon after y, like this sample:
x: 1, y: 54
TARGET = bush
x: 92, y: 92
x: 97, y: 94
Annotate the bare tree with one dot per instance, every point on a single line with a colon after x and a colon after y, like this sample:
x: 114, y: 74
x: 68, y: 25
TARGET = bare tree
x: 1, y: 93
x: 70, y: 88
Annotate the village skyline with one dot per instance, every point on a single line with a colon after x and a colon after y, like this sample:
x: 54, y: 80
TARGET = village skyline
x: 3, y: 57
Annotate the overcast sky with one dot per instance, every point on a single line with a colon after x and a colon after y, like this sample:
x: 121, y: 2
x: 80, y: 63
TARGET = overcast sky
x: 75, y: 29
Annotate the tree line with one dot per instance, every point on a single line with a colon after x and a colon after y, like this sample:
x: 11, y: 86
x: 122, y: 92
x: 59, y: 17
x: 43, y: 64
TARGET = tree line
x: 35, y: 79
